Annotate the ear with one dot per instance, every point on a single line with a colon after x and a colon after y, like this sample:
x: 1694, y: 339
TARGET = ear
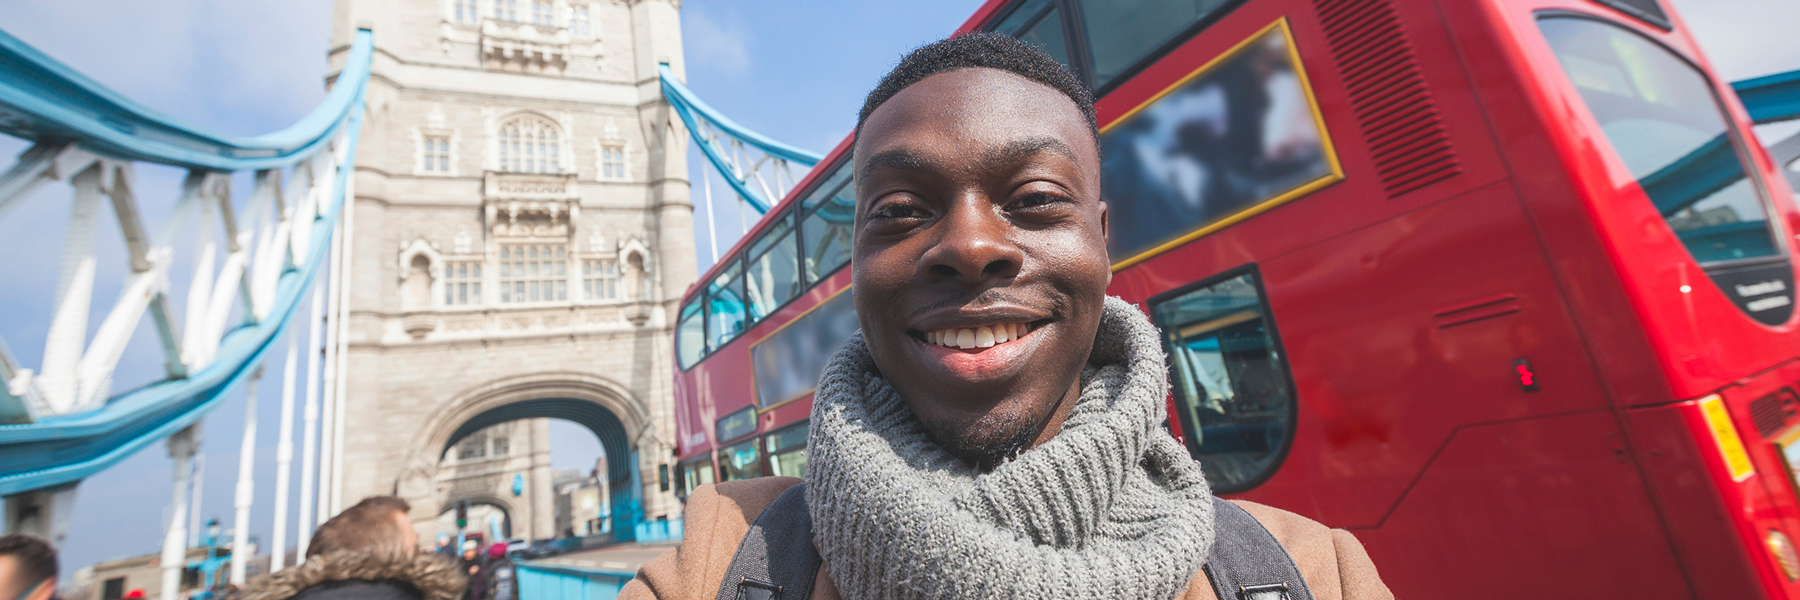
x: 43, y: 591
x: 1106, y: 239
x: 1105, y: 230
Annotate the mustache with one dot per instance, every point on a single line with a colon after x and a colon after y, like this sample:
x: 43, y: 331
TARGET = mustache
x: 984, y: 298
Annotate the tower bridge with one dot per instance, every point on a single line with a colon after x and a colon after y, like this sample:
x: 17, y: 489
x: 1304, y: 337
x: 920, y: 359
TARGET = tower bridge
x: 487, y: 220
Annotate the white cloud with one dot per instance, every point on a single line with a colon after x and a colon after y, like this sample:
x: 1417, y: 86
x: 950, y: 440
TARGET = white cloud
x: 722, y: 47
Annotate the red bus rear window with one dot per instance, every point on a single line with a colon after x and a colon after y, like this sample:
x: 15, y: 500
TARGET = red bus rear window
x: 1664, y: 122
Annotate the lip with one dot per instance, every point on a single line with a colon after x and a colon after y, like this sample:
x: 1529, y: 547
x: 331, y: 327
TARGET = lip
x: 976, y: 365
x: 958, y: 317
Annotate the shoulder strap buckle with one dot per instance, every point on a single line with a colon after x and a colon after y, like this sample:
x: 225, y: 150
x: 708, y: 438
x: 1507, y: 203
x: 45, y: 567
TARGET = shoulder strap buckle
x: 751, y: 589
x: 1267, y: 591
x: 1244, y: 551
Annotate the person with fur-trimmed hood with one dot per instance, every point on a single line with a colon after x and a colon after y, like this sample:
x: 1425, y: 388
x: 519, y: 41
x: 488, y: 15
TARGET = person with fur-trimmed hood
x: 368, y: 552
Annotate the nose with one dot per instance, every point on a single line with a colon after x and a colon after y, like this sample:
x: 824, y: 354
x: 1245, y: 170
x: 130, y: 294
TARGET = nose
x: 973, y: 246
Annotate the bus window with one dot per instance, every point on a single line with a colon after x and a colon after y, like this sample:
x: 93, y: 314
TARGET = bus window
x: 787, y: 364
x: 1233, y: 393
x: 1238, y: 137
x: 725, y: 305
x: 740, y: 461
x: 735, y: 425
x: 693, y: 474
x: 1122, y: 33
x: 774, y: 275
x: 1666, y: 124
x: 826, y: 232
x: 787, y: 450
x: 1038, y: 22
x: 690, y: 334
x: 839, y: 176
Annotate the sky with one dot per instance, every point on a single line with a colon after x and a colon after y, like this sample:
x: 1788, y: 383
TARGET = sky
x: 793, y: 70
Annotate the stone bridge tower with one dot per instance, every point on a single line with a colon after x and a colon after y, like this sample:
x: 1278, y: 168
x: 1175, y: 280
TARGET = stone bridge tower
x: 521, y: 234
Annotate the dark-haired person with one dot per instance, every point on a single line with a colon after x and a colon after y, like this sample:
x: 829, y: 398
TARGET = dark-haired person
x: 368, y: 552
x: 994, y: 430
x: 27, y: 568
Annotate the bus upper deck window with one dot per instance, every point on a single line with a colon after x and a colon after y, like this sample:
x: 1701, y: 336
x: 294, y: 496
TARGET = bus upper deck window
x: 725, y: 305
x: 1667, y: 125
x: 825, y: 233
x: 774, y: 274
x: 690, y: 334
x: 1038, y: 22
x: 1123, y: 32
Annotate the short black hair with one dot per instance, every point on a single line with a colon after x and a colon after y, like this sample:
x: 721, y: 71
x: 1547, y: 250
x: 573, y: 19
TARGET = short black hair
x: 37, y: 560
x: 982, y: 49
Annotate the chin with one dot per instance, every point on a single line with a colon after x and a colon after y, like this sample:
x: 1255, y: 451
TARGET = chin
x: 988, y: 439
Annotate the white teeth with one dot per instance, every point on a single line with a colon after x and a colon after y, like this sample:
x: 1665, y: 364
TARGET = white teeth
x: 986, y: 336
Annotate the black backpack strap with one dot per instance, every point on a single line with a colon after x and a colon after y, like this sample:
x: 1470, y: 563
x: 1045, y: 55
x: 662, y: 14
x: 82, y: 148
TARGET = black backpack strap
x: 776, y: 560
x: 1246, y: 562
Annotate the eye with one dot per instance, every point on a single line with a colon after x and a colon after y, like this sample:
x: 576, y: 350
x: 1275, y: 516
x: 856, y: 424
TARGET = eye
x: 1036, y: 199
x: 896, y: 210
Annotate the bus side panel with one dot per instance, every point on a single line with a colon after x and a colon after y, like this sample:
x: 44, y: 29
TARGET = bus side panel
x: 1696, y: 515
x: 1401, y: 333
x: 1697, y: 341
x: 1505, y: 83
x: 1547, y: 507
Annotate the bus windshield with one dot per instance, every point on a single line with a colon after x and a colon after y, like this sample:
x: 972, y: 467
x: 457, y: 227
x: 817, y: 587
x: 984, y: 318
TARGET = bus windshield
x: 1666, y: 124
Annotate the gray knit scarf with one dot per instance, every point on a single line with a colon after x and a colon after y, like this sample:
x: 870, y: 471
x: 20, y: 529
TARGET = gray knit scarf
x: 1111, y: 507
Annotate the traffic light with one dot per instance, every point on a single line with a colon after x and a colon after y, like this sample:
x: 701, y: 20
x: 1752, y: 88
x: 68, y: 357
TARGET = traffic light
x: 462, y: 514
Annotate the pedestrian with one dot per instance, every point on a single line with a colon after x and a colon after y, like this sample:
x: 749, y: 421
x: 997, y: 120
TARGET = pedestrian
x: 994, y: 430
x: 502, y: 580
x: 444, y: 547
x: 474, y: 567
x: 368, y: 552
x: 27, y: 568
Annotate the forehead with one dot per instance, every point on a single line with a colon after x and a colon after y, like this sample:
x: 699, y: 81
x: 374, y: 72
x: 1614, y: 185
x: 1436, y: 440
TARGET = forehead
x: 973, y: 107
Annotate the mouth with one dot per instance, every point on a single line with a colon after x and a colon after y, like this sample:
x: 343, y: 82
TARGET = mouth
x: 977, y: 338
x: 989, y: 352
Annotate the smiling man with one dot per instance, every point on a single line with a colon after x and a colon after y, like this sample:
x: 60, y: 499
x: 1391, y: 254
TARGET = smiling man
x: 995, y: 429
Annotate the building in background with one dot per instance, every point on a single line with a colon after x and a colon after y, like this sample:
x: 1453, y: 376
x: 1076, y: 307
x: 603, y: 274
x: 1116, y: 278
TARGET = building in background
x: 581, y: 502
x: 520, y: 234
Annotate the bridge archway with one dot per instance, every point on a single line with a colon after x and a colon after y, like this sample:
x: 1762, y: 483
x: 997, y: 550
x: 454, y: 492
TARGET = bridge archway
x: 604, y: 407
x: 498, y: 503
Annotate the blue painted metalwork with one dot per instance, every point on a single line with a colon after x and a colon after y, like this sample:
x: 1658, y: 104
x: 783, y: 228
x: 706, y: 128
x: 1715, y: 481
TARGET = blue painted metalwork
x: 1770, y: 98
x: 652, y: 532
x: 694, y: 113
x: 40, y: 98
x: 544, y: 581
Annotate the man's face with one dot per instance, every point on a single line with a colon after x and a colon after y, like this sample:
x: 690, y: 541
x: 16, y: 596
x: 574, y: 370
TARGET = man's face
x: 411, y: 535
x: 979, y: 263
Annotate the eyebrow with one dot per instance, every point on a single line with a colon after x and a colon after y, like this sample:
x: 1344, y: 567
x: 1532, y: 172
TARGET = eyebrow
x: 1010, y: 154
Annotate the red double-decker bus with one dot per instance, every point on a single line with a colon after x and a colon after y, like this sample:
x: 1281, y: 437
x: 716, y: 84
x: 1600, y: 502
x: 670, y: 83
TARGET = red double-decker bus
x: 1504, y: 287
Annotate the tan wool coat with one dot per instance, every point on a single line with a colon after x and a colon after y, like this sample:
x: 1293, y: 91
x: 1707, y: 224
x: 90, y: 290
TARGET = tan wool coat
x: 1331, y: 560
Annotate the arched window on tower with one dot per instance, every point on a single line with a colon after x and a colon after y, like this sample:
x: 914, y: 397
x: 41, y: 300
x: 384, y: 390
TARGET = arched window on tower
x: 528, y: 144
x: 418, y: 282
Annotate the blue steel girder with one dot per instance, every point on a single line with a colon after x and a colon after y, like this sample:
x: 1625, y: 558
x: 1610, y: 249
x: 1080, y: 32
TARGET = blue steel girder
x: 1770, y: 98
x: 734, y: 150
x: 45, y: 101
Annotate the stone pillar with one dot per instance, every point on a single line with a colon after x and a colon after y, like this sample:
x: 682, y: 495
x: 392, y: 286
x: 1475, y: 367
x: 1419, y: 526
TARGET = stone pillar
x: 657, y: 29
x: 543, y: 494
